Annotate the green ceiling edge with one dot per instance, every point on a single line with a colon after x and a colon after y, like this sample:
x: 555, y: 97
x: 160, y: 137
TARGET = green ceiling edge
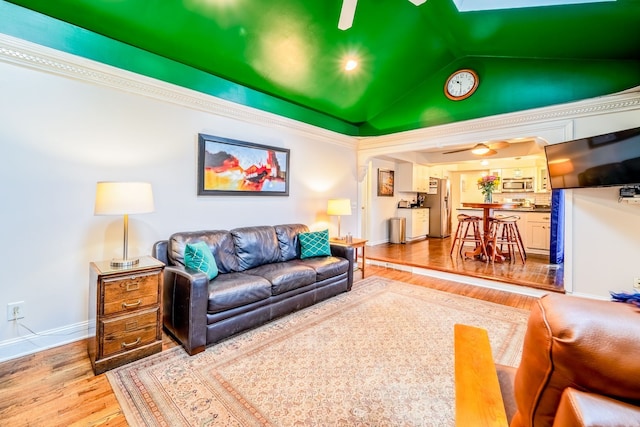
x: 559, y: 84
x: 31, y: 26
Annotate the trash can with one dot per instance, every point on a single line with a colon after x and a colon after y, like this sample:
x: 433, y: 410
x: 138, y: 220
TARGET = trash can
x: 398, y: 230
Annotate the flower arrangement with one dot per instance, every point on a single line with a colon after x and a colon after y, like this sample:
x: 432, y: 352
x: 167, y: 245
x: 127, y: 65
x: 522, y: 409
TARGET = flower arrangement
x: 488, y: 184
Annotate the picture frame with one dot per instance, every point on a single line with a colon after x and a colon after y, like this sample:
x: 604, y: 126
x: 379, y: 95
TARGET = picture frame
x: 386, y: 182
x: 228, y: 167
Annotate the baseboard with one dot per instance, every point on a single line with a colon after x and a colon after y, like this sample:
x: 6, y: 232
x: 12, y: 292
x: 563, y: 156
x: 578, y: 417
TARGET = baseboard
x: 33, y: 343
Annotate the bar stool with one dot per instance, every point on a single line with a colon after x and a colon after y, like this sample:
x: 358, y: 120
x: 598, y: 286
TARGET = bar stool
x: 503, y: 231
x: 462, y: 234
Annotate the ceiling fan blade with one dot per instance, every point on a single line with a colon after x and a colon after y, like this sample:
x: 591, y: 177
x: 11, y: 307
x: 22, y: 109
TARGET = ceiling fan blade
x: 418, y: 2
x: 347, y: 13
x: 497, y: 145
x: 488, y: 153
x: 457, y: 151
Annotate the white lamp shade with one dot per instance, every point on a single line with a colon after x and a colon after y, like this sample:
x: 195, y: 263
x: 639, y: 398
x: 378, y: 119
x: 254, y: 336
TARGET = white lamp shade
x: 123, y: 198
x: 339, y: 207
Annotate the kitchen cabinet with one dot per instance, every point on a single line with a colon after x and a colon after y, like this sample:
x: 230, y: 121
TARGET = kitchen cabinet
x: 538, y: 231
x: 529, y: 172
x: 417, y: 222
x: 438, y: 172
x: 412, y: 178
x: 542, y: 184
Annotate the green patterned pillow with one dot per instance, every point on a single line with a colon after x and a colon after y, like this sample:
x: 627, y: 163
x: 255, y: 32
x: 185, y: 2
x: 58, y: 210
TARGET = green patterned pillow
x: 198, y: 256
x: 315, y: 243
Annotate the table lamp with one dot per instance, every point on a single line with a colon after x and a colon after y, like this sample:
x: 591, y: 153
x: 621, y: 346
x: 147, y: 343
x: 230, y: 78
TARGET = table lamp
x: 123, y: 198
x: 339, y: 207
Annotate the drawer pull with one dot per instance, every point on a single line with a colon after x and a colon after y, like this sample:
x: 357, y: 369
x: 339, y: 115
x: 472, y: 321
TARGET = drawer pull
x: 133, y: 286
x: 136, y: 342
x: 133, y: 304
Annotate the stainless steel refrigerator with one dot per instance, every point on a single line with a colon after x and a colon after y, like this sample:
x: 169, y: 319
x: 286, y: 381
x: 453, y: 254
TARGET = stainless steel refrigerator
x: 439, y: 204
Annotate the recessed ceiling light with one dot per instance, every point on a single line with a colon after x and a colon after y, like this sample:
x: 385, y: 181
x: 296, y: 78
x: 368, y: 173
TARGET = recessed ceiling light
x: 351, y: 65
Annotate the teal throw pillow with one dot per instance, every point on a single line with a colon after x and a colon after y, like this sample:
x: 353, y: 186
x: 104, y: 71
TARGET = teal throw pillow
x: 315, y: 243
x: 198, y: 256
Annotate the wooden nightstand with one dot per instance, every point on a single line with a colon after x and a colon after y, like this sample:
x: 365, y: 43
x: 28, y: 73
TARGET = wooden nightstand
x: 125, y: 313
x: 355, y: 244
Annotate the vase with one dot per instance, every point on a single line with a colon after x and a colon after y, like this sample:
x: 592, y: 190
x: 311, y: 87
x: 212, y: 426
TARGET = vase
x: 488, y: 197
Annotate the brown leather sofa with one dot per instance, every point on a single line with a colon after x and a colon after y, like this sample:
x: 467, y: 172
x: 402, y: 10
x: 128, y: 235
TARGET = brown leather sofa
x: 261, y: 277
x: 580, y: 365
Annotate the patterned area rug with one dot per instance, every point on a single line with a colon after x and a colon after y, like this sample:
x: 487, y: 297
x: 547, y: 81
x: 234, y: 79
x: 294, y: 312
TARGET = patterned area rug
x: 380, y: 355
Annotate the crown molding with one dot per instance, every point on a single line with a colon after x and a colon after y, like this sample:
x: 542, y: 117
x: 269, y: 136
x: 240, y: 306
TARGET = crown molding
x: 505, y: 126
x: 41, y: 58
x: 527, y: 123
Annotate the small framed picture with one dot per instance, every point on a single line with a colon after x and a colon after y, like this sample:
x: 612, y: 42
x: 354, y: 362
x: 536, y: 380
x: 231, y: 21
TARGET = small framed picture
x: 385, y: 183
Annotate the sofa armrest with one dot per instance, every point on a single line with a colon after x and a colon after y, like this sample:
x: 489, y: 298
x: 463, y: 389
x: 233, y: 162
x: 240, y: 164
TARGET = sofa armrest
x: 185, y: 300
x: 347, y: 253
x: 578, y: 408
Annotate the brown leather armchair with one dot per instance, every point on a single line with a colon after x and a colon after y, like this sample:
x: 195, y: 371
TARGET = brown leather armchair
x: 580, y: 366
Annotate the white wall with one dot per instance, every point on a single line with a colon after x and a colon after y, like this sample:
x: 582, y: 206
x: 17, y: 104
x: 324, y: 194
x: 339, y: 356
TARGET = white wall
x: 60, y: 136
x: 604, y: 234
x: 606, y: 242
x: 382, y: 207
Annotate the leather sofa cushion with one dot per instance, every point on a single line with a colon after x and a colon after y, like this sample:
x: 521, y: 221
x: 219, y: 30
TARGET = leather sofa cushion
x: 590, y: 345
x: 236, y: 289
x: 285, y: 276
x: 219, y: 241
x: 288, y: 240
x: 255, y: 246
x: 506, y: 378
x: 578, y: 408
x: 326, y: 267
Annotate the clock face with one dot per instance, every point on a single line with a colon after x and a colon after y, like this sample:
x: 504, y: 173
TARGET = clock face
x: 461, y: 84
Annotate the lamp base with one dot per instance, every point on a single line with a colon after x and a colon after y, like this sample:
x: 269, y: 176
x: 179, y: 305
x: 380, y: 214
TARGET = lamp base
x: 124, y: 262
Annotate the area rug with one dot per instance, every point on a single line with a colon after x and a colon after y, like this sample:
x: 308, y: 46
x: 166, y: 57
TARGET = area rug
x: 380, y: 355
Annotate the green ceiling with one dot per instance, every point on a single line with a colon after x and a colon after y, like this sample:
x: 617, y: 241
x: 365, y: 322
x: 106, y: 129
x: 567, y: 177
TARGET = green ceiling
x: 284, y: 56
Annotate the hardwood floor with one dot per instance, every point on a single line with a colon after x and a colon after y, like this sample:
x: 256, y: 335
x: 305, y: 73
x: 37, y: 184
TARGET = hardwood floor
x: 57, y: 387
x: 434, y: 254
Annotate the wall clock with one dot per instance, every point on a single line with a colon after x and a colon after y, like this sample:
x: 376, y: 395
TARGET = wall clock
x: 461, y: 84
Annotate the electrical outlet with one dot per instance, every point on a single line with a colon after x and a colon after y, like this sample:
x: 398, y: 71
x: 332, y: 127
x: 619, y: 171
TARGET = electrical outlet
x: 15, y: 311
x: 636, y: 283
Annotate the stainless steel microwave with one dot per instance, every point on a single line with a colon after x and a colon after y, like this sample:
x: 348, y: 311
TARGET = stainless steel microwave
x: 517, y: 185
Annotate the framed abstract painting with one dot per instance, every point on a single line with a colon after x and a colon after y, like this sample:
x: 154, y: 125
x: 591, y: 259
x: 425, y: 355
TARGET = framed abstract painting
x: 227, y: 167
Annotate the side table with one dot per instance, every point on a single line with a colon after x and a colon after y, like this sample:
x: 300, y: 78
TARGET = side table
x: 355, y: 244
x: 125, y: 313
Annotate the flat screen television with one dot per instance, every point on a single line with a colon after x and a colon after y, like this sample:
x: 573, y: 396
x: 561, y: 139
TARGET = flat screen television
x: 599, y: 161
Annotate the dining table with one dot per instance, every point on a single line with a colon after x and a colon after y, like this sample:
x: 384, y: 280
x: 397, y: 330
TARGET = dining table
x: 488, y: 209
